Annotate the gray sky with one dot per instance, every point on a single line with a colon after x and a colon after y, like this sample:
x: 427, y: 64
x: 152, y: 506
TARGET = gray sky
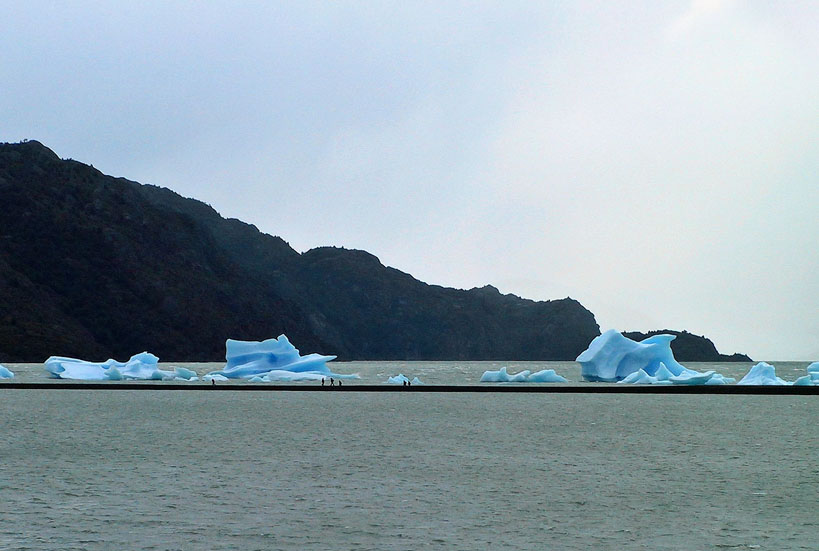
x: 656, y: 161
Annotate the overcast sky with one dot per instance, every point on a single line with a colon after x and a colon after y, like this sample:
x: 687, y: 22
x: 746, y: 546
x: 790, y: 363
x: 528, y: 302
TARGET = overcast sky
x: 657, y: 161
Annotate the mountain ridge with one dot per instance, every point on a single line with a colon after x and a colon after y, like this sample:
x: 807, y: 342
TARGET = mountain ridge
x: 96, y: 266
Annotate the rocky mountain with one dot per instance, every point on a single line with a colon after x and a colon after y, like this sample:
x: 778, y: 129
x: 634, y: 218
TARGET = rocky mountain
x: 690, y: 347
x: 93, y: 266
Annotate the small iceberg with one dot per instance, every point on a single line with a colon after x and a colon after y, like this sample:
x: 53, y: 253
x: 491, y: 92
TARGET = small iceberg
x: 663, y: 376
x: 762, y: 374
x: 272, y: 360
x: 401, y: 379
x: 142, y: 366
x: 525, y: 376
x: 5, y: 373
x: 811, y: 379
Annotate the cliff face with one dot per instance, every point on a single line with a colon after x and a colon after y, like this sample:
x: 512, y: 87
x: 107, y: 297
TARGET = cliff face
x: 94, y: 266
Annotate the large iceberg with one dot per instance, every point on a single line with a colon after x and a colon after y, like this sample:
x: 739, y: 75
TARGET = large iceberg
x: 273, y: 360
x: 5, y: 373
x: 762, y: 374
x: 525, y: 376
x: 612, y: 357
x: 142, y: 366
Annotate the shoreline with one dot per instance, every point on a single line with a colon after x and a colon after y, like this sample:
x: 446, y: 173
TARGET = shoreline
x: 590, y: 388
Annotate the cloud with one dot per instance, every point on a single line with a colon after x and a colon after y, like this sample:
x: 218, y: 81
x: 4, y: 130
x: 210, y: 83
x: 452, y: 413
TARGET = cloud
x: 699, y: 11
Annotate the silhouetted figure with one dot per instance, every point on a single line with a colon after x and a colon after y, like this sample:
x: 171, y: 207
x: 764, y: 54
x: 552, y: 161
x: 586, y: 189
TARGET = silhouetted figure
x: 332, y: 383
x: 213, y: 381
x: 409, y: 383
x: 339, y: 382
x: 404, y: 383
x: 322, y: 381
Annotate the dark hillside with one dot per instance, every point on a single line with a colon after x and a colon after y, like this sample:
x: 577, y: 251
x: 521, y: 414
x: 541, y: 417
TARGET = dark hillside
x: 95, y: 266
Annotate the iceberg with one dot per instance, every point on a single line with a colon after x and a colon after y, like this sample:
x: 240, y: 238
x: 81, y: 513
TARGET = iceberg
x: 141, y: 366
x: 5, y: 373
x: 401, y: 379
x: 273, y: 360
x: 665, y: 377
x: 811, y: 379
x: 525, y: 376
x: 612, y: 357
x: 762, y: 374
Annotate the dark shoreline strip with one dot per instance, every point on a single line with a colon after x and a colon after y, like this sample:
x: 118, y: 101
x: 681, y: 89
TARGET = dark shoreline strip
x: 591, y: 388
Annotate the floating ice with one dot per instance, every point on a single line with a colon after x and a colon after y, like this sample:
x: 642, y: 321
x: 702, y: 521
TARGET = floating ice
x: 401, y: 379
x: 687, y: 377
x: 140, y: 366
x: 273, y: 360
x: 762, y: 374
x: 812, y: 378
x: 612, y: 357
x: 5, y: 373
x: 525, y: 376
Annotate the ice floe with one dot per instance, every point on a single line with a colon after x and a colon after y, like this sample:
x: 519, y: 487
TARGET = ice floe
x: 5, y: 373
x: 525, y: 376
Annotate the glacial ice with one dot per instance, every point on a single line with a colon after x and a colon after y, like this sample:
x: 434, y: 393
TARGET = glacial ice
x: 612, y: 357
x: 525, y: 376
x: 762, y: 374
x: 141, y: 366
x: 273, y: 360
x: 400, y: 379
x: 812, y: 378
x: 665, y: 377
x: 5, y: 373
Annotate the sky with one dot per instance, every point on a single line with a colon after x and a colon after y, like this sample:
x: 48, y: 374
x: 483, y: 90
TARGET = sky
x: 657, y: 161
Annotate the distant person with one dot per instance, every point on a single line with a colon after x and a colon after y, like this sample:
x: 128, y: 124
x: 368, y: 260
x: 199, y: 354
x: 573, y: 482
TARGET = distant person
x: 339, y: 382
x: 404, y: 382
x: 332, y: 383
x: 322, y: 381
x: 213, y: 381
x: 409, y: 383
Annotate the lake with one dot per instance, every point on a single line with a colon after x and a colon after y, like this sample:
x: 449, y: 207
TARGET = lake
x: 171, y: 470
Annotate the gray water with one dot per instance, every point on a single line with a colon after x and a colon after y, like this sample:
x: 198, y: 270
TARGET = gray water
x: 166, y: 470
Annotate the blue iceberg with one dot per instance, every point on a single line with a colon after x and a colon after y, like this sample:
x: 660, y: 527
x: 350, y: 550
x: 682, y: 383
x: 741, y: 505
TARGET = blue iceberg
x: 401, y: 379
x: 611, y: 357
x: 273, y: 360
x: 143, y: 366
x: 665, y: 377
x: 525, y: 376
x: 5, y: 373
x: 811, y: 379
x: 762, y: 374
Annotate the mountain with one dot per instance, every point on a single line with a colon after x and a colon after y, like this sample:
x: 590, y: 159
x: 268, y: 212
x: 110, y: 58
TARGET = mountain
x: 93, y: 266
x: 690, y: 347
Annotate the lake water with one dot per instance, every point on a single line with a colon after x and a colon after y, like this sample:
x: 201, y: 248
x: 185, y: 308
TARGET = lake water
x: 166, y: 470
